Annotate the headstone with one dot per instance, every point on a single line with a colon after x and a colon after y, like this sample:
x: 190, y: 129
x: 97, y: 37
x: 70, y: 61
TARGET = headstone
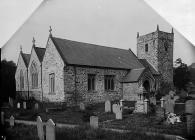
x: 2, y: 118
x: 50, y: 130
x: 24, y: 105
x: 94, y: 121
x: 162, y: 102
x: 107, y: 106
x: 153, y: 100
x: 119, y: 113
x: 18, y: 105
x: 169, y: 106
x: 36, y: 106
x: 139, y: 106
x: 114, y: 108
x: 176, y: 98
x: 11, y: 121
x: 82, y: 106
x: 121, y: 102
x: 11, y: 103
x: 146, y: 106
x: 40, y: 128
x: 190, y: 110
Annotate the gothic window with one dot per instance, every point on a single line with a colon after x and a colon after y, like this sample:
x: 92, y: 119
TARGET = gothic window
x: 91, y: 82
x: 52, y: 83
x: 166, y: 46
x: 34, y: 75
x: 109, y: 82
x: 21, y: 80
x: 146, y: 47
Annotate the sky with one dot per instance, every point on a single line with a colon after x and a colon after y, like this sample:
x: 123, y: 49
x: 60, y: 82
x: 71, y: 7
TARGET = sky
x: 113, y: 23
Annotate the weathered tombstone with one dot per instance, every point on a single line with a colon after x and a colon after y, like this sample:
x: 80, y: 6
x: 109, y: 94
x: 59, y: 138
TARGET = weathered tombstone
x: 162, y: 102
x: 36, y: 106
x: 2, y: 118
x: 114, y: 108
x: 50, y: 130
x: 11, y: 121
x: 153, y: 100
x: 94, y: 121
x: 121, y: 102
x: 82, y: 106
x: 11, y: 102
x: 169, y: 106
x: 24, y: 105
x: 40, y: 128
x: 146, y: 106
x: 139, y: 106
x: 190, y: 110
x: 18, y: 105
x: 119, y: 113
x: 107, y: 106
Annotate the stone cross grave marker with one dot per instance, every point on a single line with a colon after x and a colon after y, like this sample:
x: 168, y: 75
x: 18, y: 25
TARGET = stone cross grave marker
x: 94, y: 121
x: 2, y: 118
x: 11, y: 103
x: 119, y: 112
x: 82, y: 106
x: 36, y: 106
x: 50, y: 130
x: 107, y: 106
x: 24, y: 105
x: 11, y: 121
x: 18, y: 105
x: 40, y: 128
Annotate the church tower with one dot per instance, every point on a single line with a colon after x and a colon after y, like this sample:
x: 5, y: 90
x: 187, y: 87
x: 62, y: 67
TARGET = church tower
x: 157, y: 49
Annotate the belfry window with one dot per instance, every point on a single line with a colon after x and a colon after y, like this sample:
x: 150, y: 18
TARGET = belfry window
x: 146, y: 47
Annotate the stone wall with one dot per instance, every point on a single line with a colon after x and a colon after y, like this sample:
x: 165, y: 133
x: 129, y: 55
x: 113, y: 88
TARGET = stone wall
x: 35, y: 92
x: 53, y: 63
x: 81, y: 80
x: 130, y: 91
x: 157, y: 55
x: 21, y: 66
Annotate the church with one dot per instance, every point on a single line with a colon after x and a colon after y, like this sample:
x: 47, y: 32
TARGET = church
x: 73, y: 72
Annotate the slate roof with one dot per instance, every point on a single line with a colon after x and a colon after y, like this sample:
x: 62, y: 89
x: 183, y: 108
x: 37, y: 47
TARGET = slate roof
x: 85, y: 54
x: 40, y: 53
x: 26, y: 58
x: 133, y: 75
x: 148, y: 65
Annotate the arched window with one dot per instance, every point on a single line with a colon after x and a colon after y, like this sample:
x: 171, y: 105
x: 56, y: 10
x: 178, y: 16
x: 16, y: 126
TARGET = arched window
x: 21, y: 80
x: 146, y: 47
x: 34, y: 75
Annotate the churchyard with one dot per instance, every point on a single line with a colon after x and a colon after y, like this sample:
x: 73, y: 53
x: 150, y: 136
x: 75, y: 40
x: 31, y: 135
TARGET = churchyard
x: 143, y: 116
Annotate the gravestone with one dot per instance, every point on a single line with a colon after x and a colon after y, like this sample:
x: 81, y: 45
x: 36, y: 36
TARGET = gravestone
x: 50, y: 130
x: 2, y: 118
x: 146, y: 106
x: 169, y: 106
x: 24, y: 105
x: 190, y: 118
x: 139, y: 106
x: 153, y: 100
x: 114, y: 108
x: 18, y: 105
x: 40, y: 128
x: 82, y: 106
x: 119, y: 112
x: 11, y: 121
x: 36, y: 106
x: 94, y: 121
x: 121, y: 102
x: 11, y: 103
x: 107, y: 106
x: 162, y: 102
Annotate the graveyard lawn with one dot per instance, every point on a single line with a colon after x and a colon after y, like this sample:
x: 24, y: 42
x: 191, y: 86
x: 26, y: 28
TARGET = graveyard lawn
x: 146, y: 123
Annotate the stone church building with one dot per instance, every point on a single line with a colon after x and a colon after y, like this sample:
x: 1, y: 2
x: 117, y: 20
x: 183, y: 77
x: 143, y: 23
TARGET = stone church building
x: 73, y: 72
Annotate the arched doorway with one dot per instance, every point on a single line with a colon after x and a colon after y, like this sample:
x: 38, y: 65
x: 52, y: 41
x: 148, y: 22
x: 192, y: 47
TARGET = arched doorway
x: 146, y: 85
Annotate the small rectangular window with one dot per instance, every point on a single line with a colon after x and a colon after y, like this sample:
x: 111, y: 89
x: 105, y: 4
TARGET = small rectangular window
x: 109, y: 82
x: 91, y: 82
x: 146, y: 47
x: 52, y: 83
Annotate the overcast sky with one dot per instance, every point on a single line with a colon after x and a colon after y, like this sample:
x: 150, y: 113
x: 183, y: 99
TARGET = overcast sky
x: 113, y: 23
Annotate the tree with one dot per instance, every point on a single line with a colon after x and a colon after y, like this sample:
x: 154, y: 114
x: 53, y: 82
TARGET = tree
x: 8, y: 88
x: 181, y: 75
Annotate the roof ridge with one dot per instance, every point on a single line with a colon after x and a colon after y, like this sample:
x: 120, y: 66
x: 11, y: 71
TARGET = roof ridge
x: 91, y: 44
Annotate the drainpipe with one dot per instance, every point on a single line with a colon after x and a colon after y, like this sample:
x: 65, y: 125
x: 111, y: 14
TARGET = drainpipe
x: 41, y: 83
x: 28, y: 83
